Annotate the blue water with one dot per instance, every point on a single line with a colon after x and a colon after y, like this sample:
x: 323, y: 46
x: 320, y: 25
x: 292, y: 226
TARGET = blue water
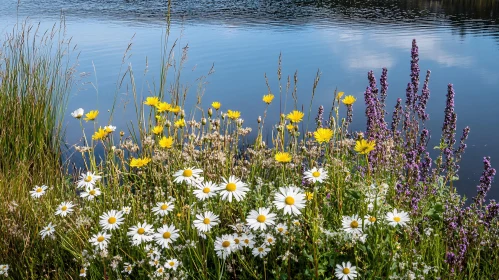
x: 458, y: 42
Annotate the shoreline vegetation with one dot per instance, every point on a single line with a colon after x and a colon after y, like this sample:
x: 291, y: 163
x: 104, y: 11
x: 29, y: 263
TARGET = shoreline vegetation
x: 176, y: 196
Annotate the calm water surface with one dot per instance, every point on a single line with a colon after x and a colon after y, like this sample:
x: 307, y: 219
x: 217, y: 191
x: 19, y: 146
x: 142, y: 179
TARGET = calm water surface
x: 458, y: 41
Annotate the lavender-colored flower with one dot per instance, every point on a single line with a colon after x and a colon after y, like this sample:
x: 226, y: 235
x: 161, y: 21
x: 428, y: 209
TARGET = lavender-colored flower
x: 485, y: 181
x: 318, y: 119
x: 415, y: 67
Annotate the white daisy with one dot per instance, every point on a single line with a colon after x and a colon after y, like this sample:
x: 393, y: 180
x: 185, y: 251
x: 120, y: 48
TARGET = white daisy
x: 352, y: 224
x: 269, y: 239
x: 396, y: 218
x: 369, y: 220
x: 281, y: 229
x: 159, y: 271
x: 233, y: 187
x: 224, y: 246
x: 291, y: 199
x: 127, y: 268
x: 151, y: 250
x: 47, y: 231
x: 110, y: 128
x: 90, y: 193
x: 206, y: 221
x: 260, y: 251
x: 345, y: 271
x: 83, y: 272
x: 126, y: 209
x: 140, y: 233
x: 88, y: 180
x: 4, y: 270
x: 205, y: 190
x: 64, y: 208
x: 162, y: 208
x: 100, y: 240
x: 260, y: 219
x: 247, y: 240
x: 189, y: 175
x: 238, y: 242
x: 172, y: 264
x: 315, y: 175
x: 38, y: 191
x: 111, y: 220
x: 155, y: 261
x: 78, y: 113
x: 166, y: 235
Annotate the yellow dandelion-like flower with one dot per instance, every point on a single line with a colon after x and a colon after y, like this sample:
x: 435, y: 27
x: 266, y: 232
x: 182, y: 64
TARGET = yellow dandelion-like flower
x: 295, y: 116
x: 282, y: 157
x: 348, y: 100
x: 157, y: 129
x: 152, y: 101
x: 290, y: 127
x: 363, y: 147
x: 323, y: 135
x: 268, y: 98
x: 100, y: 134
x: 309, y: 196
x: 179, y: 123
x: 233, y: 114
x: 175, y: 109
x: 139, y: 162
x: 216, y: 105
x: 340, y: 95
x: 92, y: 115
x: 163, y: 107
x: 166, y: 142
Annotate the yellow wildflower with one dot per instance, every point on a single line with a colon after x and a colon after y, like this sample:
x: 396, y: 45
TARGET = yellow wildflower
x: 348, y: 100
x: 152, y: 101
x: 282, y: 157
x: 268, y: 98
x: 139, y: 162
x: 233, y: 114
x: 100, y: 134
x: 166, y: 142
x: 175, y: 109
x: 323, y: 135
x: 295, y: 116
x: 157, y: 129
x: 339, y: 95
x: 92, y: 115
x: 363, y: 147
x: 163, y: 106
x: 290, y: 127
x: 179, y: 123
x: 309, y: 196
x: 216, y: 105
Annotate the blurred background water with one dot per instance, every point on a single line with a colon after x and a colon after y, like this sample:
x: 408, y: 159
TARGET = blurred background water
x: 458, y: 41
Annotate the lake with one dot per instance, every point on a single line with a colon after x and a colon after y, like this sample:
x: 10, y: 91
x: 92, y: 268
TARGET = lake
x: 458, y: 41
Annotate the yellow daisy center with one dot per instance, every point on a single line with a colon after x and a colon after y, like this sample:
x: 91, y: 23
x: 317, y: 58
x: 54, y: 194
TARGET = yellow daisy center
x: 141, y: 231
x: 230, y: 187
x: 100, y: 238
x: 261, y: 218
x: 111, y: 220
x: 246, y: 241
x: 270, y: 240
x: 128, y: 268
x: 226, y: 244
x: 316, y: 174
x: 260, y: 249
x: 280, y: 229
x: 206, y: 190
x: 92, y: 192
x: 88, y: 178
x: 289, y: 200
x: 236, y: 240
x: 164, y: 206
x: 396, y: 219
x: 82, y: 271
x: 187, y: 173
x: 39, y: 190
x: 166, y: 235
x: 64, y: 208
x: 372, y: 219
x: 346, y: 270
x: 206, y: 221
x: 354, y: 224
x: 171, y: 263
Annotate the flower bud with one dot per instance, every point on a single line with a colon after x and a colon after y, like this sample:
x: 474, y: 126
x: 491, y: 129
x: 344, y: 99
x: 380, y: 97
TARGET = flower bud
x: 259, y: 120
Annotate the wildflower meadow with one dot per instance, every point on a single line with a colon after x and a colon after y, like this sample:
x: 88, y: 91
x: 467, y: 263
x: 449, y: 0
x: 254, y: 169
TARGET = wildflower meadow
x: 201, y: 192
